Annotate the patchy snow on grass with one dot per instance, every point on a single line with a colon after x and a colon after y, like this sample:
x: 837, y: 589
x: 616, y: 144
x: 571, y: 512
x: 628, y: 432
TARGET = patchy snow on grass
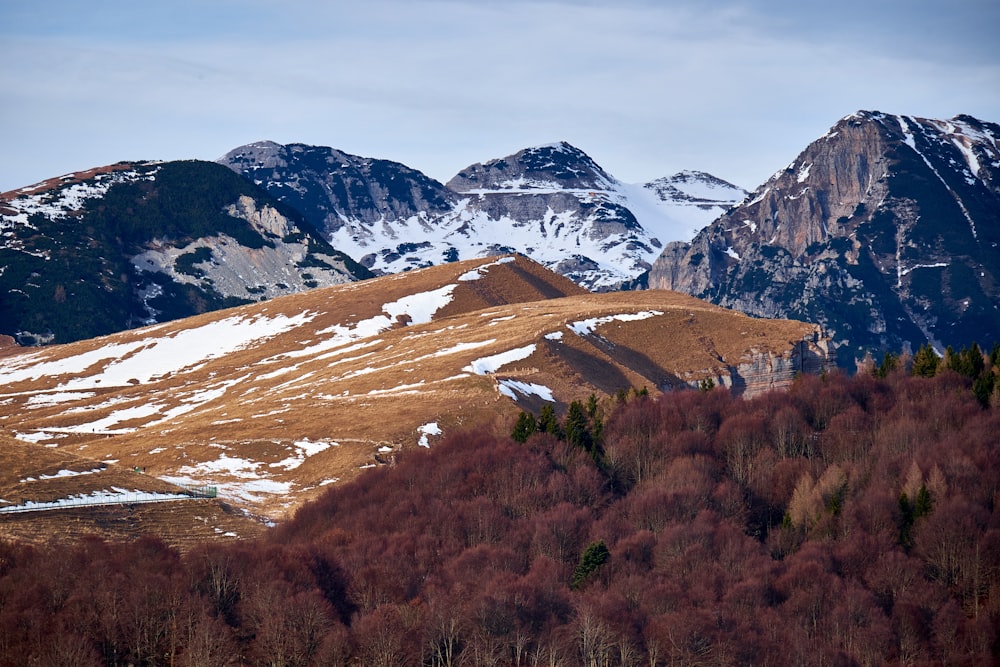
x: 584, y: 327
x: 399, y: 389
x: 38, y: 436
x: 555, y: 335
x: 229, y: 465
x: 487, y: 365
x: 303, y: 450
x: 63, y: 473
x: 55, y: 398
x: 509, y: 387
x: 104, y: 424
x: 146, y: 359
x: 249, y: 488
x: 252, y: 491
x: 458, y: 347
x: 420, y: 307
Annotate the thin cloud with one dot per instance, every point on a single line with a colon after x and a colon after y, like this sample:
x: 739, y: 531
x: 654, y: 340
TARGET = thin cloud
x: 647, y: 88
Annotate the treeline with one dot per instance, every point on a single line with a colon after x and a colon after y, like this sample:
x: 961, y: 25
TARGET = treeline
x: 849, y: 521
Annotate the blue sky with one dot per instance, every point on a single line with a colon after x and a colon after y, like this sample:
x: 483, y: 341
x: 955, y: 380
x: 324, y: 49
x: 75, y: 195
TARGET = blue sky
x: 646, y: 88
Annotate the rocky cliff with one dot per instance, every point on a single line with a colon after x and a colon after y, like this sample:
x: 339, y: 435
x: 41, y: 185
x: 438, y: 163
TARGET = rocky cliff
x: 761, y: 371
x: 885, y: 231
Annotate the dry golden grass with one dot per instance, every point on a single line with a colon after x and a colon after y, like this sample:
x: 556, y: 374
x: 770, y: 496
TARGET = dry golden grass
x: 370, y: 397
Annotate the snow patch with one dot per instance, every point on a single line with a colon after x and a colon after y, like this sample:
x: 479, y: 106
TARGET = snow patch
x: 303, y: 450
x: 150, y: 358
x: 431, y: 428
x: 63, y: 473
x: 477, y: 273
x: 488, y: 365
x: 509, y: 387
x: 584, y: 327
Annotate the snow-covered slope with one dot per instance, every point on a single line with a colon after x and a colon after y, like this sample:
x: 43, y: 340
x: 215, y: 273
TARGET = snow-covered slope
x: 552, y: 203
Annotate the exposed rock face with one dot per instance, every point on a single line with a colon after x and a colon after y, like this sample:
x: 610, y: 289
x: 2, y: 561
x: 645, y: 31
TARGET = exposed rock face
x: 551, y: 203
x: 885, y: 231
x: 766, y: 371
x: 228, y: 268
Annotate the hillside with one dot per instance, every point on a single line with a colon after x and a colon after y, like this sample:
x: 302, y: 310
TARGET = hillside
x: 847, y: 521
x: 272, y: 402
x: 129, y: 244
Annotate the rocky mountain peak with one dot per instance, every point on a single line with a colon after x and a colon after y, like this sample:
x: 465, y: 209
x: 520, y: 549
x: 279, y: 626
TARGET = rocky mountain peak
x: 260, y: 154
x: 558, y: 165
x: 698, y: 188
x: 885, y: 230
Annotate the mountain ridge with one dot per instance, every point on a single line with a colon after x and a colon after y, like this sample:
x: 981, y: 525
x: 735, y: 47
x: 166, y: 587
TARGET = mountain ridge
x: 552, y: 203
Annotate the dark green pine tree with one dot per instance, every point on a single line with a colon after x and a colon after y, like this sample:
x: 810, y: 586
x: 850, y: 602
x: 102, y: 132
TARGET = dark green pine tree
x: 925, y: 362
x: 575, y: 427
x: 547, y: 422
x: 969, y: 362
x: 525, y: 426
x: 593, y: 557
x: 889, y: 363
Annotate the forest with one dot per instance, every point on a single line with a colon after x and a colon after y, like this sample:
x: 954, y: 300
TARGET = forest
x: 850, y: 520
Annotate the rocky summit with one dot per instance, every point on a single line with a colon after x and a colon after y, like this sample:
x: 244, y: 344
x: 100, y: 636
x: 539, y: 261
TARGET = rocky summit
x: 885, y: 231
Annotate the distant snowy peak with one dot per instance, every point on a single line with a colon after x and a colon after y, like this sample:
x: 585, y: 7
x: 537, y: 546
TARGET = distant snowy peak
x: 559, y: 166
x: 698, y: 188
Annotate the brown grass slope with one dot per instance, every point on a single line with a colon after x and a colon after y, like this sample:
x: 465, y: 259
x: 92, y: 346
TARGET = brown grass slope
x: 337, y: 384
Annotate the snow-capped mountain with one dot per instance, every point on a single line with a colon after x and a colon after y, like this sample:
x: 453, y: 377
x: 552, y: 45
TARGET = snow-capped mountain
x: 115, y: 247
x: 886, y: 231
x: 552, y: 203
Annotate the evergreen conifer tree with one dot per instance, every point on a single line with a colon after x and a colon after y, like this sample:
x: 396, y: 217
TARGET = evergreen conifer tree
x: 575, y: 427
x: 593, y: 557
x: 547, y: 420
x: 525, y: 426
x: 925, y: 362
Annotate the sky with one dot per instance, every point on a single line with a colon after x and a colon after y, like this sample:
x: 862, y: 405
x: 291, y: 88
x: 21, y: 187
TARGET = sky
x: 646, y: 88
